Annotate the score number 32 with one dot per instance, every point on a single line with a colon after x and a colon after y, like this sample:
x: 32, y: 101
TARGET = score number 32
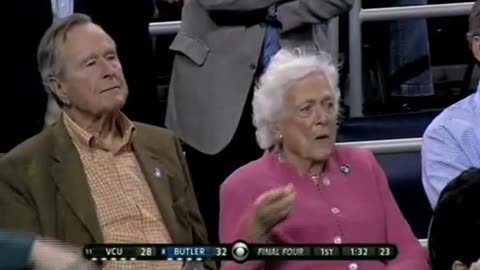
x: 221, y: 252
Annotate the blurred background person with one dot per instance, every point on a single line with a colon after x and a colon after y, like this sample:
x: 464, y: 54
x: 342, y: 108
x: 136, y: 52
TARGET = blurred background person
x: 403, y: 51
x: 455, y: 228
x: 28, y: 252
x: 409, y: 70
x: 220, y: 49
x: 451, y: 143
x: 304, y: 189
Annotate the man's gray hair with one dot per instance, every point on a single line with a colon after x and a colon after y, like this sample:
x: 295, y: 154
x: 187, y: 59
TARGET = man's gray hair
x: 286, y: 68
x: 48, y: 50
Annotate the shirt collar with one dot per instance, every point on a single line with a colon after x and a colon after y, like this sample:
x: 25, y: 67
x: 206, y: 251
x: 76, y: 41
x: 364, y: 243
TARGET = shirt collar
x: 89, y: 140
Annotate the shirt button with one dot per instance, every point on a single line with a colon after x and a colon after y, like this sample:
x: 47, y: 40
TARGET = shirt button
x: 337, y: 240
x: 335, y: 211
x: 353, y: 266
x: 326, y: 181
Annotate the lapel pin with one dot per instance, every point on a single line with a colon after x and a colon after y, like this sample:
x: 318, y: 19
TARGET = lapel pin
x: 345, y: 169
x: 157, y: 173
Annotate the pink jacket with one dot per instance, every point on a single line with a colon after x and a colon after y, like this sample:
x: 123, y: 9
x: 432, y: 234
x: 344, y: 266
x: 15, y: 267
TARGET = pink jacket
x: 353, y: 206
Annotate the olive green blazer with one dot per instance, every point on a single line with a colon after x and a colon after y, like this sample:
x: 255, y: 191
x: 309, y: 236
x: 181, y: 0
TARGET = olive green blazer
x: 43, y: 187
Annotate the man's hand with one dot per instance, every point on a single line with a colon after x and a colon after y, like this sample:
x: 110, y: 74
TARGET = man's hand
x: 271, y: 208
x: 53, y: 255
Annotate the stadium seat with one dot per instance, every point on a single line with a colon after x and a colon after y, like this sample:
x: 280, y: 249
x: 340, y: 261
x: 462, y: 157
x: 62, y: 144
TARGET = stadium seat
x: 402, y: 169
x: 384, y: 127
x: 404, y: 174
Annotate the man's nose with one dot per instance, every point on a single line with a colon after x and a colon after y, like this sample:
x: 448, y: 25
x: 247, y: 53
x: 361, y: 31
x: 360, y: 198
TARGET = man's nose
x: 108, y: 69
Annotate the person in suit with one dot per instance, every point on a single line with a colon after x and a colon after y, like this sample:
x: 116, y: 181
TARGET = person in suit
x: 95, y: 176
x: 21, y: 251
x: 305, y: 189
x: 454, y: 230
x: 220, y: 49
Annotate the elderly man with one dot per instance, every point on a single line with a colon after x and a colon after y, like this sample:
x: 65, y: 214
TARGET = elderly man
x: 95, y: 176
x: 451, y: 143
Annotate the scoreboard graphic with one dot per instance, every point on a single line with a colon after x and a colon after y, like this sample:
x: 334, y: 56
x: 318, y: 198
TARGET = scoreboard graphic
x: 240, y: 252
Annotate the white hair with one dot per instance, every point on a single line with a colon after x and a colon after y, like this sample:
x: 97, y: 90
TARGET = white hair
x: 286, y: 68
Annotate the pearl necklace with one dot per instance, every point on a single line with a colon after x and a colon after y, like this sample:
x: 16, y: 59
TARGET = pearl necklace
x: 313, y: 176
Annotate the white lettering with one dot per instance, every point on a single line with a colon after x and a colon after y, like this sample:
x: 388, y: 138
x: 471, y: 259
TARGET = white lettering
x: 193, y: 252
x: 292, y: 251
x: 114, y: 251
x: 268, y: 251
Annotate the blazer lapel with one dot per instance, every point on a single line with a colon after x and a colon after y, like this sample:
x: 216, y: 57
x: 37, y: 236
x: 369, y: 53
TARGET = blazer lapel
x: 158, y: 178
x: 68, y: 174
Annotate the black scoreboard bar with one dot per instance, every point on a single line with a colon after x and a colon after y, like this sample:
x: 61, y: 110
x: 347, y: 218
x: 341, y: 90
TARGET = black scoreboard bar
x: 323, y: 252
x: 240, y: 251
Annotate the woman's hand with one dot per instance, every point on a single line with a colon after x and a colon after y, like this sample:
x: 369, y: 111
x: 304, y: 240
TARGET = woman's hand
x: 271, y: 208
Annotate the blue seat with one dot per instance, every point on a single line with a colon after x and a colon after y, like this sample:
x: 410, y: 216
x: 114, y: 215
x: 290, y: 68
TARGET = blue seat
x: 384, y: 127
x: 404, y: 175
x: 403, y: 170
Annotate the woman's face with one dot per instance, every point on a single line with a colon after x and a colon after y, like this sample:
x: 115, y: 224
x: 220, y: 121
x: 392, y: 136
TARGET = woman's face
x: 308, y: 126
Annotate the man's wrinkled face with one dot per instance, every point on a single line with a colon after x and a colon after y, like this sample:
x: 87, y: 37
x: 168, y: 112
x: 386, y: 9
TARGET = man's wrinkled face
x: 92, y: 79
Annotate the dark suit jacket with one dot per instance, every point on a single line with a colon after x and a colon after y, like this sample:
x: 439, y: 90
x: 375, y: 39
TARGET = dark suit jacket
x: 15, y: 250
x: 43, y: 187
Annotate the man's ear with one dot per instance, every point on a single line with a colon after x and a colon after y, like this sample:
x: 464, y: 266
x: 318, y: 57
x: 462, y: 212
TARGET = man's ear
x: 476, y: 47
x: 58, y: 89
x: 457, y: 265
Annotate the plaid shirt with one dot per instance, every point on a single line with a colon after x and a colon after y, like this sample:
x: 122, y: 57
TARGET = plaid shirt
x: 125, y: 206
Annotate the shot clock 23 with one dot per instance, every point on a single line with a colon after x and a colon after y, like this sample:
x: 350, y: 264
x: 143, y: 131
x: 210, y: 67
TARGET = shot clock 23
x: 385, y: 251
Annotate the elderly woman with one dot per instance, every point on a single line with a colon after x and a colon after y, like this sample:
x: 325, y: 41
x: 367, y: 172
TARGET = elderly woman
x: 305, y: 189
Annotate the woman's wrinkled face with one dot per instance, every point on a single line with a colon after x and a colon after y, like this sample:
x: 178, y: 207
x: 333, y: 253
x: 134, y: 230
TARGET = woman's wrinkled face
x: 308, y: 126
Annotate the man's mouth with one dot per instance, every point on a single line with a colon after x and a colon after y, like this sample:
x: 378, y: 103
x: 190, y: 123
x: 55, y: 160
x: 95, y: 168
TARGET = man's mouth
x: 110, y: 88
